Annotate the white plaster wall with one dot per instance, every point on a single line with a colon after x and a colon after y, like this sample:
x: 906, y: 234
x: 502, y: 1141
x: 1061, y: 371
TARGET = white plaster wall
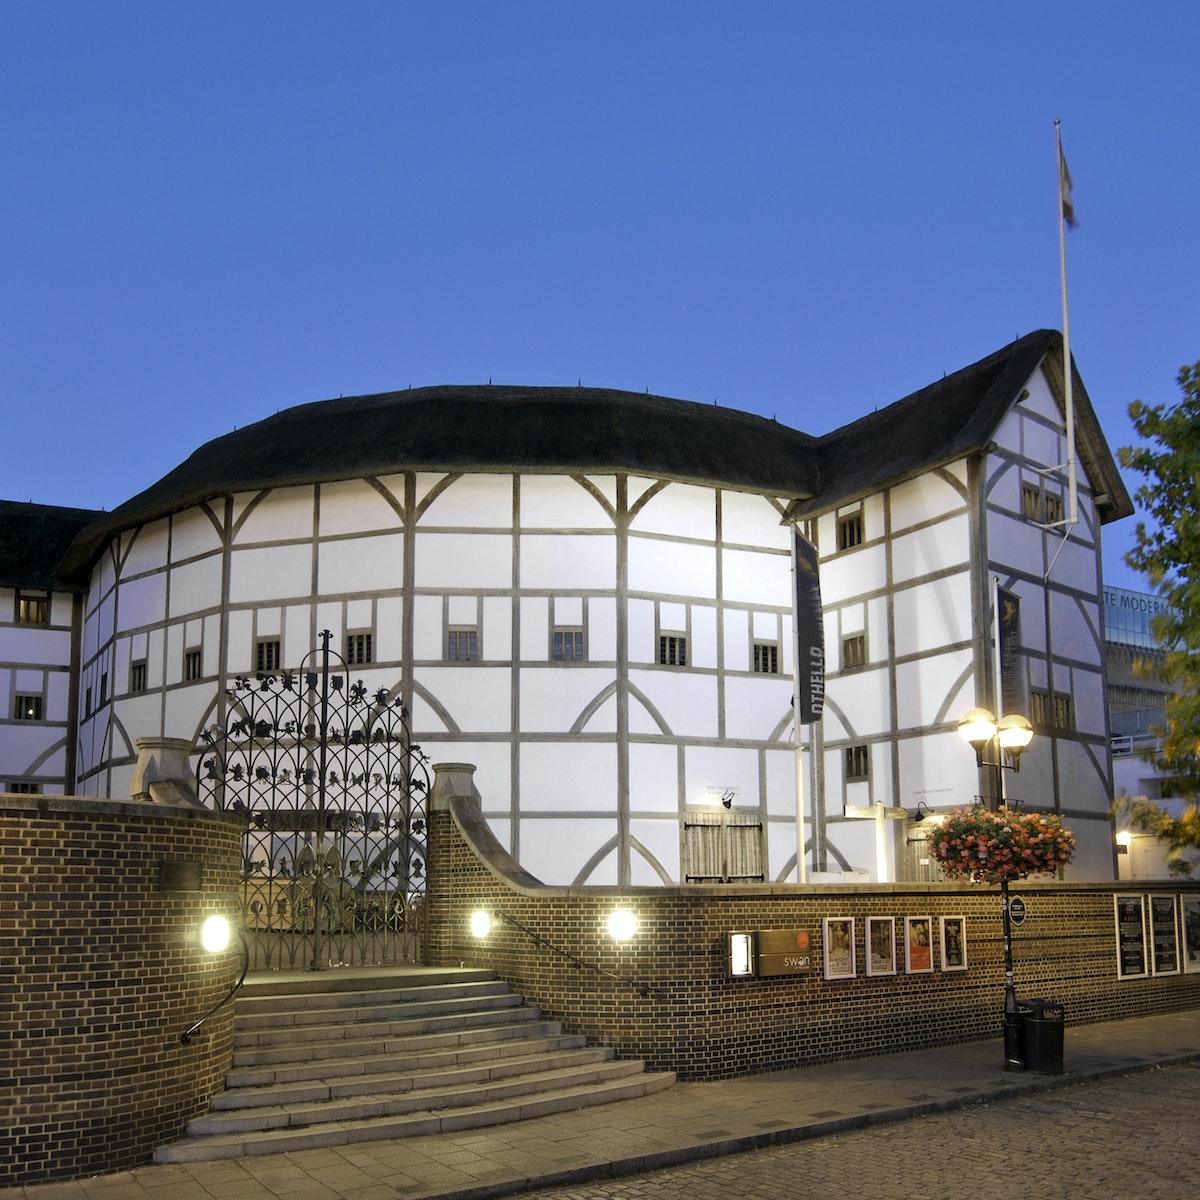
x: 753, y: 521
x: 556, y: 776
x: 428, y: 629
x: 497, y: 640
x: 863, y: 698
x: 676, y: 568
x: 654, y: 778
x: 471, y: 501
x: 602, y: 629
x: 642, y: 631
x: 661, y: 840
x: 931, y: 615
x: 283, y: 515
x: 710, y: 770
x: 553, y: 699
x: 552, y: 502
x: 578, y: 561
x: 269, y: 573
x: 939, y: 769
x: 146, y: 548
x: 755, y: 707
x: 557, y: 848
x: 702, y: 648
x: 931, y: 691
x: 195, y: 586
x: 362, y: 564
x: 143, y: 601
x: 476, y: 561
x: 852, y: 573
x: 686, y: 701
x: 750, y: 577
x: 679, y: 510
x: 939, y: 547
x: 477, y: 698
x: 535, y: 628
x: 352, y: 507
x: 927, y: 497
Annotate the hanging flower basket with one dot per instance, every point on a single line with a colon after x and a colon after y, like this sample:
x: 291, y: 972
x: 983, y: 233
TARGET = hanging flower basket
x: 982, y: 846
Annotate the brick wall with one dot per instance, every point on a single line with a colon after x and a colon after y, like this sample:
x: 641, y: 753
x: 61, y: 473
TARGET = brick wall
x: 100, y: 972
x: 666, y: 995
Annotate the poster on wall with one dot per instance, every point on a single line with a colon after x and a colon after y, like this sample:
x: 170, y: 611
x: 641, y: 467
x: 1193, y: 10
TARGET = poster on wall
x: 1191, y: 933
x: 918, y: 944
x: 839, y: 947
x: 1130, y: 916
x: 881, y: 945
x: 1164, y: 935
x: 954, y: 943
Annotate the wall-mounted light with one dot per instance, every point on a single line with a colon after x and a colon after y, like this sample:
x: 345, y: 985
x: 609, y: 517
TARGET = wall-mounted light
x: 1124, y: 838
x: 481, y: 923
x: 741, y: 954
x: 622, y: 925
x: 922, y: 809
x: 214, y: 934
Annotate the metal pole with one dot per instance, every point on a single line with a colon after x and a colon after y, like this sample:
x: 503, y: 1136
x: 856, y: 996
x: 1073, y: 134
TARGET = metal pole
x: 322, y: 746
x: 1014, y: 1057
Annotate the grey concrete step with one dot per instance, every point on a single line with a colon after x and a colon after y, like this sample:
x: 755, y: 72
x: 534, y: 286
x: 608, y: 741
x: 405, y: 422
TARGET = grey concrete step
x: 341, y: 1133
x: 440, y: 1096
x: 406, y: 1053
x: 481, y: 1067
x: 447, y: 1050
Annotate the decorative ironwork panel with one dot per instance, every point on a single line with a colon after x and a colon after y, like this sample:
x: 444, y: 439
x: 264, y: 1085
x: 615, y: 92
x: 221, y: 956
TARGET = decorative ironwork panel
x: 333, y: 791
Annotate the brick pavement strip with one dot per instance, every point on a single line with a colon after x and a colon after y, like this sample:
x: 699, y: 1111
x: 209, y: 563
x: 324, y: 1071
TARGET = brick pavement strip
x: 1131, y: 1137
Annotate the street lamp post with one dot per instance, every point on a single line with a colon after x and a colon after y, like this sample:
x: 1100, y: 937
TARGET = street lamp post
x: 1007, y: 738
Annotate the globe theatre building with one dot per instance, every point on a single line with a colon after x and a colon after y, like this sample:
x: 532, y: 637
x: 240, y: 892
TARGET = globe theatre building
x: 589, y: 595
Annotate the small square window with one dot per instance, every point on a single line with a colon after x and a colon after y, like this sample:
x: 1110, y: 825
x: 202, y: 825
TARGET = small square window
x: 854, y: 651
x: 19, y: 787
x: 33, y: 608
x: 28, y: 708
x: 1053, y: 510
x: 1064, y: 712
x: 568, y: 645
x: 266, y: 654
x: 672, y: 650
x: 1031, y: 502
x: 193, y: 665
x: 850, y: 530
x: 103, y: 688
x: 137, y: 677
x: 858, y: 762
x: 359, y: 649
x: 766, y: 658
x: 462, y: 645
x: 87, y: 702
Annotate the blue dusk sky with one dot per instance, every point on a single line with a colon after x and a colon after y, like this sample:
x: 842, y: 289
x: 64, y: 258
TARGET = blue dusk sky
x: 212, y: 211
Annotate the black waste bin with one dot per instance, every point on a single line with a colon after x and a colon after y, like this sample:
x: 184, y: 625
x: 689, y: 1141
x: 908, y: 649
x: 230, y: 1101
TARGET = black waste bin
x: 1042, y: 1033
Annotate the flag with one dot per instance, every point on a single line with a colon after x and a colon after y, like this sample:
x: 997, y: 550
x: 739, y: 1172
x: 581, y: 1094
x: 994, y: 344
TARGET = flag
x: 809, y: 633
x: 1008, y: 642
x: 1064, y: 188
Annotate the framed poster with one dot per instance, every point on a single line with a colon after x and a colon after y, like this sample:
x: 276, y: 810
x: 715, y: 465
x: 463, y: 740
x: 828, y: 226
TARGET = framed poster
x: 1164, y: 935
x: 881, y: 945
x: 1191, y: 932
x: 838, y: 941
x: 954, y: 943
x: 1130, y: 916
x: 918, y: 944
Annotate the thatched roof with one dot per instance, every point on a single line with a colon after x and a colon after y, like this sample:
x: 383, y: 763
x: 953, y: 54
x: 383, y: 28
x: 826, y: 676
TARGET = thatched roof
x: 33, y: 540
x: 593, y: 430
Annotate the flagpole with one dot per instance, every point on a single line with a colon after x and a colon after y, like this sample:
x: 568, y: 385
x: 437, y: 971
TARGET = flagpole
x: 1066, y: 214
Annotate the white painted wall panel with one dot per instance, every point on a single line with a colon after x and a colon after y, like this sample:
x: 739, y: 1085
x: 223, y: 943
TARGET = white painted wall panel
x: 643, y: 636
x: 576, y: 561
x: 557, y: 502
x: 931, y: 615
x: 286, y: 514
x: 781, y: 784
x: 761, y: 579
x: 477, y: 561
x: 29, y: 644
x: 195, y: 586
x: 553, y: 699
x: 939, y: 547
x: 653, y: 778
x: 298, y: 635
x: 686, y: 701
x: 559, y: 849
x: 473, y: 501
x: 702, y: 649
x: 849, y: 575
x: 535, y: 628
x: 863, y: 697
x: 354, y: 506
x: 477, y: 698
x: 928, y: 691
x: 147, y: 548
x: 753, y: 521
x: 362, y: 564
x: 922, y: 499
x: 1076, y: 627
x: 389, y: 628
x: 709, y: 771
x: 673, y: 568
x: 754, y: 707
x: 602, y: 629
x: 142, y: 601
x: 497, y: 636
x: 241, y: 642
x: 661, y: 841
x: 428, y: 629
x: 270, y: 573
x: 737, y: 639
x: 679, y: 510
x: 568, y: 776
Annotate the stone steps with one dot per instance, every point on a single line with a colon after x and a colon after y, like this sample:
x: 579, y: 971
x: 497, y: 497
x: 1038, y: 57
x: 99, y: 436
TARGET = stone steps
x: 394, y: 1055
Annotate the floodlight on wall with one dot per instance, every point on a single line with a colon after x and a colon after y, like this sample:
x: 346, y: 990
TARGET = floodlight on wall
x: 214, y: 934
x: 481, y: 923
x: 1124, y: 838
x: 622, y: 925
x: 741, y: 955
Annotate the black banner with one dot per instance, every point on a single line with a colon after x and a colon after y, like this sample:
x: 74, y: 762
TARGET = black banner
x: 810, y: 634
x: 1008, y: 637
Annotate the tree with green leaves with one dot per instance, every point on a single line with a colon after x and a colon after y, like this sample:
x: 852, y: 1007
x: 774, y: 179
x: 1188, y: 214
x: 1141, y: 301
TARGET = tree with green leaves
x: 1167, y: 550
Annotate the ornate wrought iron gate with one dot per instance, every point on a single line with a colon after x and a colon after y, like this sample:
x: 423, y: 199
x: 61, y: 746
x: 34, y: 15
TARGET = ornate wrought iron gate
x: 333, y: 791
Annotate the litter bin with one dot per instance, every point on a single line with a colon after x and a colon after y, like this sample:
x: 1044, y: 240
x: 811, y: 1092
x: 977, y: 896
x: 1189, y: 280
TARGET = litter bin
x: 1042, y: 1032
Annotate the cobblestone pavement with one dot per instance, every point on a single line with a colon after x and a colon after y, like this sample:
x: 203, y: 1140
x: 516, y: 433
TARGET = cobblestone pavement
x: 1127, y: 1138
